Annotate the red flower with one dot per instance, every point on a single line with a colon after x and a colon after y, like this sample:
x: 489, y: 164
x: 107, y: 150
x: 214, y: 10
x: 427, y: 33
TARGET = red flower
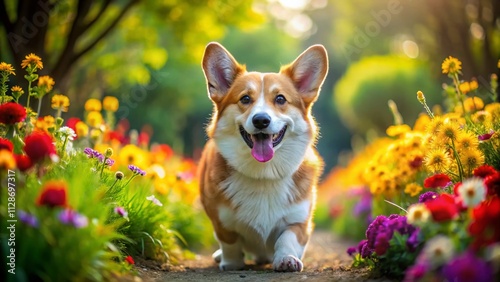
x: 486, y: 136
x: 484, y: 227
x: 71, y: 123
x: 11, y: 113
x: 416, y: 162
x: 130, y: 260
x: 38, y: 146
x: 484, y: 171
x: 54, y: 194
x: 439, y: 180
x: 443, y: 208
x: 492, y: 182
x: 23, y: 162
x: 5, y: 144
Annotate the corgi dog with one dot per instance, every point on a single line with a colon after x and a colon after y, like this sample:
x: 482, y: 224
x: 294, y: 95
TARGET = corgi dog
x: 259, y: 169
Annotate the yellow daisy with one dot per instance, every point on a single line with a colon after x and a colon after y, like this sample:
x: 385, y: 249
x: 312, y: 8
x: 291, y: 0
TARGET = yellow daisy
x: 437, y: 160
x: 471, y: 159
x: 397, y: 130
x: 451, y: 65
x: 60, y: 102
x: 434, y: 126
x: 4, y: 67
x: 413, y: 189
x: 466, y: 141
x: 46, y: 82
x: 94, y: 119
x: 449, y: 131
x: 32, y: 60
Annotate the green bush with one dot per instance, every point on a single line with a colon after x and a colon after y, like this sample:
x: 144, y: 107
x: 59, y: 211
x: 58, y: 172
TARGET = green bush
x: 361, y: 95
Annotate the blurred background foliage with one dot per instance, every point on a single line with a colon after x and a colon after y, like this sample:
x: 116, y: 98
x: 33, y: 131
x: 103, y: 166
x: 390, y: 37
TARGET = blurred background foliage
x: 147, y: 53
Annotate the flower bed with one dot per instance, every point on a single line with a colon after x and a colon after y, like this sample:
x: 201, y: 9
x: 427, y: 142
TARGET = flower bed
x: 84, y: 197
x: 435, y: 189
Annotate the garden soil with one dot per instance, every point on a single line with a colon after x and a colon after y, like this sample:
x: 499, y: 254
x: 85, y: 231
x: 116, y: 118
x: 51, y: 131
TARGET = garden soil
x: 325, y: 260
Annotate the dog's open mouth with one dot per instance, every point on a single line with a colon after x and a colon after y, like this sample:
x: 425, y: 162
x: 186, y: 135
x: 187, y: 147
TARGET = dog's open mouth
x: 262, y: 144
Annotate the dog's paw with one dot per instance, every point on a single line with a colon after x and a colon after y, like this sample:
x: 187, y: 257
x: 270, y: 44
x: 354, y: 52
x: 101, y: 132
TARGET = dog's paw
x: 217, y: 255
x: 288, y: 264
x: 231, y: 265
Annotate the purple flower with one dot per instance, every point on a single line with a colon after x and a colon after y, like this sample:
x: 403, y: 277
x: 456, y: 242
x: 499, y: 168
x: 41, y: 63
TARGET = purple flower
x: 416, y: 272
x: 136, y: 170
x: 413, y: 240
x: 364, y: 205
x: 366, y: 251
x: 121, y: 212
x: 71, y: 217
x: 467, y: 267
x: 351, y: 251
x: 110, y: 162
x: 486, y: 136
x: 27, y: 218
x: 427, y: 196
x: 91, y: 153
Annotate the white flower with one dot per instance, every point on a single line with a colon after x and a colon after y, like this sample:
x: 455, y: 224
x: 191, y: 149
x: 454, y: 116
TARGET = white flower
x: 472, y: 192
x: 438, y: 250
x: 418, y: 214
x: 68, y: 132
x: 155, y: 201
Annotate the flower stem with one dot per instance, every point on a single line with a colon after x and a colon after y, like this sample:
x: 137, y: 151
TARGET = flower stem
x: 459, y: 93
x: 133, y: 176
x: 39, y: 106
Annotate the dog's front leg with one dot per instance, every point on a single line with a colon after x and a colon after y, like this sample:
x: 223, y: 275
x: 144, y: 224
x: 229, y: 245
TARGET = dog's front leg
x: 231, y: 254
x: 289, y: 249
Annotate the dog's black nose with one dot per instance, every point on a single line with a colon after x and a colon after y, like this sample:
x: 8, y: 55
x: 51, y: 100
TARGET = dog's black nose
x: 261, y: 121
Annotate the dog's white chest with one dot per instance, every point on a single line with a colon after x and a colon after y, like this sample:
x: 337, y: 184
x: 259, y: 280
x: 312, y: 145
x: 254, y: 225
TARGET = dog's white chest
x: 262, y: 205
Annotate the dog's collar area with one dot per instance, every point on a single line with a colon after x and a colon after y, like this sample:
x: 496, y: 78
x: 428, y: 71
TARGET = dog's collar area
x: 248, y: 138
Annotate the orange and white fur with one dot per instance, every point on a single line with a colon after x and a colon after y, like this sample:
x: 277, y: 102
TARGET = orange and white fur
x: 260, y: 168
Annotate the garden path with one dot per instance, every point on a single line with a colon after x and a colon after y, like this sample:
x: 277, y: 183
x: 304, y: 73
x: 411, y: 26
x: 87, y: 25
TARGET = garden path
x: 325, y: 260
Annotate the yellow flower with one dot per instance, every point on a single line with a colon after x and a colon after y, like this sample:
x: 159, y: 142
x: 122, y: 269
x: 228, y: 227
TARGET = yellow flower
x: 449, y: 131
x: 434, y: 126
x: 437, y: 159
x: 466, y: 141
x: 421, y: 123
x: 60, y: 102
x: 493, y: 109
x: 471, y: 104
x: 464, y: 87
x: 94, y: 119
x: 473, y: 84
x: 4, y: 67
x: 471, y: 159
x: 482, y: 117
x: 397, y: 130
x: 44, y: 123
x: 82, y: 129
x: 413, y: 189
x: 451, y: 65
x: 16, y: 88
x: 110, y: 103
x: 131, y: 154
x: 7, y: 160
x: 46, y: 81
x: 93, y: 105
x: 418, y: 214
x: 32, y: 60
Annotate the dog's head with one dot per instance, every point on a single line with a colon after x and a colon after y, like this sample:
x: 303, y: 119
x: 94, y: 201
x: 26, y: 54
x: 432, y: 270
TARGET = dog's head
x: 263, y: 118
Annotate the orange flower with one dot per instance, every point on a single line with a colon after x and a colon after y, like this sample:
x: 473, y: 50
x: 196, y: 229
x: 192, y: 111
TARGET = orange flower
x: 7, y: 68
x: 47, y: 82
x: 32, y: 60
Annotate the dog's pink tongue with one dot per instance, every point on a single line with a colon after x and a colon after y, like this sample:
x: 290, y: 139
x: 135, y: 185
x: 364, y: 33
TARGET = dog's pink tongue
x: 262, y: 149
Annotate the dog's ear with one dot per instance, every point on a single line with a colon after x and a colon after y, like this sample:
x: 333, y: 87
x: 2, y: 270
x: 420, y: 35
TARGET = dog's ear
x: 220, y: 69
x: 308, y: 72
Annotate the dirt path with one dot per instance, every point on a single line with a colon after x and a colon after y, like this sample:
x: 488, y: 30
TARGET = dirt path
x: 325, y: 260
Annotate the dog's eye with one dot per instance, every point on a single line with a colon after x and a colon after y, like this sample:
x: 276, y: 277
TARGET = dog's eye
x: 280, y: 100
x: 245, y: 100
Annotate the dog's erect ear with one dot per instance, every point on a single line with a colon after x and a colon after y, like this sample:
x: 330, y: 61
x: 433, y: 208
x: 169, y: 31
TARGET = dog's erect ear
x: 220, y: 69
x: 308, y: 72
